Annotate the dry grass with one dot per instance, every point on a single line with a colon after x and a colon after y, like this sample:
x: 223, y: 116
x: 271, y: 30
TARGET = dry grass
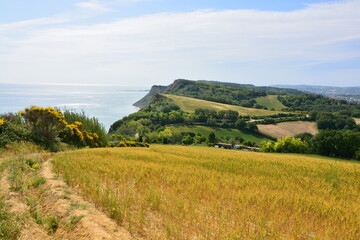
x: 176, y: 192
x: 288, y: 128
x: 357, y: 120
x: 190, y: 104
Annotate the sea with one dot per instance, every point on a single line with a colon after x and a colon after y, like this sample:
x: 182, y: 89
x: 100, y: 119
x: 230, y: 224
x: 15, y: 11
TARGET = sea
x: 108, y: 103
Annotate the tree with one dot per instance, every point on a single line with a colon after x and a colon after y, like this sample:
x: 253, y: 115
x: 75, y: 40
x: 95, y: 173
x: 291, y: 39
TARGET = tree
x: 252, y: 126
x: 188, y: 140
x: 45, y: 124
x: 304, y: 136
x: 212, y: 137
x: 334, y: 143
x: 165, y: 136
x: 240, y: 124
x: 286, y: 145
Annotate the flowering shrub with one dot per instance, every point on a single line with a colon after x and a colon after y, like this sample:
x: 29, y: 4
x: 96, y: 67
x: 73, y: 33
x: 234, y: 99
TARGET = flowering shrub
x: 2, y: 121
x: 131, y: 144
x: 49, y: 127
x: 93, y: 131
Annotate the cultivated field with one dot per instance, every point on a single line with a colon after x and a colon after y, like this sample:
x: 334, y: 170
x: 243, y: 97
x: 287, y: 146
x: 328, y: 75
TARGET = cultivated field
x: 219, y: 132
x: 288, y: 128
x: 190, y: 104
x: 270, y: 102
x: 177, y: 192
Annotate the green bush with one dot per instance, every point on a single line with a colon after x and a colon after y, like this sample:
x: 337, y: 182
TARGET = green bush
x: 287, y: 145
x: 13, y: 132
x: 89, y: 124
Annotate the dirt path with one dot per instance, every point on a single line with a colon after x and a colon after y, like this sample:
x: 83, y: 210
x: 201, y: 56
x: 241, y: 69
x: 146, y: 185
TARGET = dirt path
x: 64, y: 202
x: 58, y: 206
x: 30, y: 230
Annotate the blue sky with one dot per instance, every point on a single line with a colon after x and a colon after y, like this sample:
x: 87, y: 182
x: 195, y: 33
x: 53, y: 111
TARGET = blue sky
x: 146, y: 42
x: 18, y: 10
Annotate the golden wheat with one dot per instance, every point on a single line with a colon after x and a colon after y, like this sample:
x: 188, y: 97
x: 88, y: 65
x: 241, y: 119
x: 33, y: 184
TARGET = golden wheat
x: 176, y: 192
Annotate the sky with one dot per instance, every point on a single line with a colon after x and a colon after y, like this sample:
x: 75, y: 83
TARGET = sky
x: 147, y: 42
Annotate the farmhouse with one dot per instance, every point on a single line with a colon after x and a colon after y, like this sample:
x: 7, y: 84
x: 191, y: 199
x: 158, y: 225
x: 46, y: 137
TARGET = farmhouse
x: 223, y: 145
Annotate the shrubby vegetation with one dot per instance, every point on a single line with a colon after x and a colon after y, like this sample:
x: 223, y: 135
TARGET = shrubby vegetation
x: 90, y: 126
x: 49, y: 127
x: 214, y: 92
x: 287, y: 145
x: 12, y: 129
x: 333, y: 143
x: 333, y: 121
x: 313, y: 102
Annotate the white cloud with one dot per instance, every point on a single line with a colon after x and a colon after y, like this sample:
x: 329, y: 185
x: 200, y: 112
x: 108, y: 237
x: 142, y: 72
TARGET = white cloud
x: 237, y: 45
x: 92, y: 6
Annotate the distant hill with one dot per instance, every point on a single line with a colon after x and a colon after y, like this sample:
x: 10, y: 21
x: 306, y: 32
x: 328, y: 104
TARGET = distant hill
x: 250, y: 96
x: 271, y: 90
x: 147, y: 98
x: 351, y: 94
x: 222, y: 92
x: 189, y: 105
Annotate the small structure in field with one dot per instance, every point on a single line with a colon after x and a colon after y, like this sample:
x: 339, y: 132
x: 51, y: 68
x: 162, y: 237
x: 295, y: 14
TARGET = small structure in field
x: 223, y: 145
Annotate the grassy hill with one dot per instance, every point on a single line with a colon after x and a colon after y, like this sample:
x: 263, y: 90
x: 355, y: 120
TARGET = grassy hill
x: 222, y: 92
x: 288, y: 128
x: 219, y: 132
x: 177, y: 192
x: 190, y: 104
x: 270, y: 102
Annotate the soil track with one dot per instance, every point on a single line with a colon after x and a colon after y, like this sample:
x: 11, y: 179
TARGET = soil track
x: 66, y: 203
x: 77, y: 218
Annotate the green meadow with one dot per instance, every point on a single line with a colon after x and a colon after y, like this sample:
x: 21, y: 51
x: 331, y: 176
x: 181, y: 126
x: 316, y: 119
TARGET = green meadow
x: 190, y: 104
x: 219, y: 132
x: 270, y: 102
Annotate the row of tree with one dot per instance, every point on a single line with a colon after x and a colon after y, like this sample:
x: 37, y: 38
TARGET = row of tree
x: 333, y: 143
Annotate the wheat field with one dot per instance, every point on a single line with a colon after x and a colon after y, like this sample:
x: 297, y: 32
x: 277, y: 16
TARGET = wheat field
x: 178, y: 192
x: 288, y: 128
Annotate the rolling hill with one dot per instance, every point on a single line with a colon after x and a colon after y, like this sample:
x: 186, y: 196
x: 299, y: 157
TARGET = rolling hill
x: 190, y: 104
x: 270, y: 102
x: 219, y: 132
x: 221, y: 92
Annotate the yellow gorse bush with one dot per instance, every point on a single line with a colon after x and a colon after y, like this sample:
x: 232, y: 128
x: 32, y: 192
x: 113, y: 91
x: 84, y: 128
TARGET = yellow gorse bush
x: 52, y: 122
x: 73, y: 130
x: 2, y: 121
x: 49, y: 114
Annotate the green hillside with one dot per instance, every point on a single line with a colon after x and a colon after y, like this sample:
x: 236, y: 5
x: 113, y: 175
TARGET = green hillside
x: 221, y: 92
x: 219, y: 132
x: 190, y: 104
x: 270, y: 102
